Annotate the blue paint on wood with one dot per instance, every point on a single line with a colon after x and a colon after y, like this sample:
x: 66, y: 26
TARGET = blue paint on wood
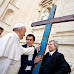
x: 44, y: 40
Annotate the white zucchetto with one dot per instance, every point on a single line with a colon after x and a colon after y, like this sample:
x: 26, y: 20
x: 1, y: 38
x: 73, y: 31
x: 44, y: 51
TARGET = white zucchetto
x: 18, y: 25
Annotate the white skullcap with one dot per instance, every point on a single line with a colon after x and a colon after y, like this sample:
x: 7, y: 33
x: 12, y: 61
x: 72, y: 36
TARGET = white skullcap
x: 18, y: 25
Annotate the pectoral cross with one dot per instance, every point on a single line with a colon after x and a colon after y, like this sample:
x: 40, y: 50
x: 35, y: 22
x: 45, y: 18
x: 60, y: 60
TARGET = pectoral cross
x: 46, y: 34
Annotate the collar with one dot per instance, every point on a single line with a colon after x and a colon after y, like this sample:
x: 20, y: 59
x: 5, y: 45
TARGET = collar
x: 51, y: 53
x: 28, y: 46
x: 16, y: 36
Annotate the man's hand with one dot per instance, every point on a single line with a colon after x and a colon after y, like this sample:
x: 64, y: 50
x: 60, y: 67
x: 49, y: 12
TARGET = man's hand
x: 37, y: 59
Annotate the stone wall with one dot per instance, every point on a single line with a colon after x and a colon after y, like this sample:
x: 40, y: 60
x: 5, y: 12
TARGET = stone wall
x: 15, y: 11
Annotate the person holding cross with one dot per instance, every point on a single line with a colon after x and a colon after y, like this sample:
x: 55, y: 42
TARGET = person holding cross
x: 29, y: 61
x: 54, y: 62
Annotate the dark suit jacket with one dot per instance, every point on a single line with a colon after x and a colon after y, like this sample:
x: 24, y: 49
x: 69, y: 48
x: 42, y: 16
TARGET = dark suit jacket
x: 25, y: 62
x: 55, y: 64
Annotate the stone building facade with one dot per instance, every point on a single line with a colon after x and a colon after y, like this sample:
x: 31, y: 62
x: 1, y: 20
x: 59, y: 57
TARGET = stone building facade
x: 28, y: 11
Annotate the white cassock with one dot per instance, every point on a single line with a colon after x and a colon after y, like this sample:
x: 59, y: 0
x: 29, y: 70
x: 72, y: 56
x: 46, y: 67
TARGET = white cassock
x: 10, y: 53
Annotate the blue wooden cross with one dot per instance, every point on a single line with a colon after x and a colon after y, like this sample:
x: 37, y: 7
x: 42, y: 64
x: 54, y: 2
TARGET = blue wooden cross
x: 44, y: 40
x: 47, y: 32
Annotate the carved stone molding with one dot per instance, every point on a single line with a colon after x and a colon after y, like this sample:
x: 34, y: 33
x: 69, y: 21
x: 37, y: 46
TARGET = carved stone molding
x: 45, y: 3
x: 8, y: 16
x: 3, y: 6
x: 1, y: 2
x: 16, y: 3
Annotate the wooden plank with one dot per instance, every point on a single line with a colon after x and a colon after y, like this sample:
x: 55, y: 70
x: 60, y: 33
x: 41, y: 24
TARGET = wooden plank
x: 54, y: 20
x: 44, y: 40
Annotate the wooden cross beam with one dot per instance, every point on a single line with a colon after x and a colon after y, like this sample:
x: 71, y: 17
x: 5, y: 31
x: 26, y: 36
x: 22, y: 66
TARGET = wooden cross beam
x: 46, y: 34
x: 44, y: 40
x: 54, y: 20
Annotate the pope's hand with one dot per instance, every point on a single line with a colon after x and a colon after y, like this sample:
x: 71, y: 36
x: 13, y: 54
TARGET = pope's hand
x: 37, y: 47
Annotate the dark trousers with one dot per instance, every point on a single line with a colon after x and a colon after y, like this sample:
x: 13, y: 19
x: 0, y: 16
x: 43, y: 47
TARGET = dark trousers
x: 23, y: 71
x: 28, y: 72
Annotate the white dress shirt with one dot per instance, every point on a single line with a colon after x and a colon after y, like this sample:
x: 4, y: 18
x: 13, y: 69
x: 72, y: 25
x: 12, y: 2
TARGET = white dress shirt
x: 29, y: 58
x: 51, y: 53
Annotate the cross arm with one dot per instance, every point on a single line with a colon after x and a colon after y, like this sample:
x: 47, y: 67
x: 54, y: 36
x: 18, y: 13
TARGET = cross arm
x: 54, y: 20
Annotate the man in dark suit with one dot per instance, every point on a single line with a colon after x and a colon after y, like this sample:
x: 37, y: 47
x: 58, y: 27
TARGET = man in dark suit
x: 28, y: 61
x: 54, y: 62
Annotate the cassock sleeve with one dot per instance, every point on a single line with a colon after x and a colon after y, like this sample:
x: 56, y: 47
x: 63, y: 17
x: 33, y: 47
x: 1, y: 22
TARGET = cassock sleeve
x: 10, y: 47
x: 27, y: 51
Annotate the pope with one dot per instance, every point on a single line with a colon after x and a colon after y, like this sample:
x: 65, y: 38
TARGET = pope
x: 11, y: 50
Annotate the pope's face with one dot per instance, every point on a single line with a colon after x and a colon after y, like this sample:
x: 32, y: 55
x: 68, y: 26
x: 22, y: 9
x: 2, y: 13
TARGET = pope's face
x: 1, y: 31
x: 22, y: 33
